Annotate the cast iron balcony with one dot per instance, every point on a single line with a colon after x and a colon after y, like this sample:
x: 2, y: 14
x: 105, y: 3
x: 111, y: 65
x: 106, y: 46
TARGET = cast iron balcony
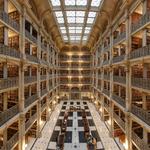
x: 30, y: 100
x: 44, y: 62
x: 107, y: 48
x: 119, y: 79
x: 118, y: 58
x: 43, y: 92
x: 5, y: 18
x: 30, y: 79
x: 106, y: 62
x: 44, y: 47
x: 8, y: 114
x: 106, y: 92
x: 107, y: 77
x: 140, y: 113
x: 30, y: 121
x: 119, y: 100
x: 141, y: 22
x: 43, y: 107
x: 32, y: 58
x: 119, y: 38
x: 139, y: 142
x: 141, y: 83
x: 11, y: 142
x: 119, y: 121
x: 8, y: 51
x: 43, y: 77
x: 8, y: 83
x: 141, y: 52
x: 106, y: 106
x: 30, y: 37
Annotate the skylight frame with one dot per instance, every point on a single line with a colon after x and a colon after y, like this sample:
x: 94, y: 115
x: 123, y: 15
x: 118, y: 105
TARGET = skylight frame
x: 78, y: 15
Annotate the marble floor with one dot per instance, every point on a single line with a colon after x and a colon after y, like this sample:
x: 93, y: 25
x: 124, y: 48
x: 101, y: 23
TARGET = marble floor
x: 75, y: 132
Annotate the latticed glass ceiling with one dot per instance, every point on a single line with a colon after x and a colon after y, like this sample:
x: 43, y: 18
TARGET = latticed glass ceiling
x: 75, y: 18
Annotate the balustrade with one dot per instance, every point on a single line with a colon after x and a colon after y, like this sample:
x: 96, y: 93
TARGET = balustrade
x: 8, y: 114
x: 8, y: 83
x: 140, y: 113
x: 5, y: 18
x: 141, y: 22
x: 8, y: 51
x: 141, y: 83
x: 139, y: 142
x: 30, y: 100
x: 119, y: 100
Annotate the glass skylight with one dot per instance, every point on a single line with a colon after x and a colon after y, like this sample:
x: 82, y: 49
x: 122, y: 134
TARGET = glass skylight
x: 60, y: 20
x: 90, y: 20
x: 55, y: 2
x: 59, y: 14
x: 95, y: 3
x: 74, y: 18
x: 70, y: 2
x: 92, y: 14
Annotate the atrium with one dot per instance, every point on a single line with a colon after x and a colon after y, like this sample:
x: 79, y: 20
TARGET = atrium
x: 75, y: 75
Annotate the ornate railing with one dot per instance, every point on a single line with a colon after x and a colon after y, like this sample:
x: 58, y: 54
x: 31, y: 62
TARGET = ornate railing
x: 30, y: 100
x: 44, y: 62
x: 30, y: 79
x: 30, y: 121
x: 119, y: 121
x: 30, y: 37
x: 106, y: 92
x: 141, y: 22
x: 43, y: 107
x: 119, y: 100
x: 140, y: 52
x: 120, y: 37
x: 106, y: 48
x: 118, y: 58
x: 106, y: 62
x: 32, y: 58
x: 5, y: 18
x: 106, y: 106
x: 43, y: 46
x: 141, y: 83
x: 139, y: 142
x: 8, y: 114
x: 43, y: 77
x: 8, y: 83
x: 11, y: 142
x: 43, y: 92
x: 8, y: 51
x: 140, y: 113
x: 119, y: 79
x: 107, y: 77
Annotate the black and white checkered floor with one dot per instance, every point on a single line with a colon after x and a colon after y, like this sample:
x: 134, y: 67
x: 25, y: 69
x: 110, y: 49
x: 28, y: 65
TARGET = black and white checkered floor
x: 75, y: 129
x: 81, y: 141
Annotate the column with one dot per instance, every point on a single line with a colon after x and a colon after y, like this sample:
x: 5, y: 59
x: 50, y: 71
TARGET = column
x: 47, y: 109
x: 102, y: 108
x: 128, y: 121
x: 111, y: 105
x: 5, y: 75
x: 21, y: 108
x: 22, y: 31
x: 22, y: 132
x: 5, y: 2
x: 5, y: 138
x: 39, y: 134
